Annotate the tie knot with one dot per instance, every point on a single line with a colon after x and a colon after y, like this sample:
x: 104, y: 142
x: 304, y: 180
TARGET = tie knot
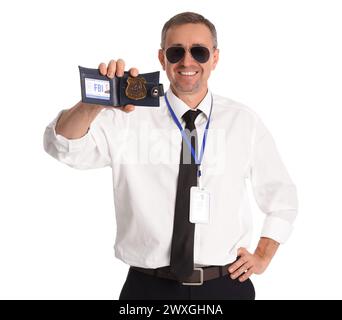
x: 190, y: 116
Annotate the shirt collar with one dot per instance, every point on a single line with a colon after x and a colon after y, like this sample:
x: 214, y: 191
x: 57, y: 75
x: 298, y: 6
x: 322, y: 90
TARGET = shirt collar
x: 180, y: 107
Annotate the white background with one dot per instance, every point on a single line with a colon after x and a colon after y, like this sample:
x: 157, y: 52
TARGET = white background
x: 57, y: 225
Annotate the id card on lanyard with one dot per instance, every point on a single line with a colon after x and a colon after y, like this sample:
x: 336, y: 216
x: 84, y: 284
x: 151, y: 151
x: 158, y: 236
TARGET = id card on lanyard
x: 199, y: 196
x: 199, y: 205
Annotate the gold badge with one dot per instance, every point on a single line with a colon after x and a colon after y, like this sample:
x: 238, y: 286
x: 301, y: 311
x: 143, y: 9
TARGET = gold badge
x: 136, y: 88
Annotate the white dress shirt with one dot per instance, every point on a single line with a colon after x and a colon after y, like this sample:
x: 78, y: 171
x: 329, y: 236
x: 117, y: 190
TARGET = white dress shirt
x: 143, y: 149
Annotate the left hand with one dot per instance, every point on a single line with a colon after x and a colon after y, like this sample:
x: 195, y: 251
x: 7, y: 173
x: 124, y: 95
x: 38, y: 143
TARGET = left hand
x: 248, y: 264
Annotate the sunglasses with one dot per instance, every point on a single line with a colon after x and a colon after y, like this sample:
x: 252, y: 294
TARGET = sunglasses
x: 176, y: 54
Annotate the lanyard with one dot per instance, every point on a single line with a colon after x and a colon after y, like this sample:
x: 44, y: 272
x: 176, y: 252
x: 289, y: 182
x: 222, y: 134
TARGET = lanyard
x: 198, y: 161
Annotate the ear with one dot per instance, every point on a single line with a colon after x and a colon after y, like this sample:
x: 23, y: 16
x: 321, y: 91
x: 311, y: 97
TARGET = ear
x: 161, y: 58
x: 216, y: 56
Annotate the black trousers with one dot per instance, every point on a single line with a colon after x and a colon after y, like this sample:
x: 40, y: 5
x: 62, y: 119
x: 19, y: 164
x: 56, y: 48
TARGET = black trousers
x: 141, y: 286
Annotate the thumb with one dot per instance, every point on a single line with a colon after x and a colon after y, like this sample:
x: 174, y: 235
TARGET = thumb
x: 127, y: 108
x: 242, y: 251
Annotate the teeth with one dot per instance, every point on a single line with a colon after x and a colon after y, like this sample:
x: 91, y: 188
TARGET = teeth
x: 188, y: 73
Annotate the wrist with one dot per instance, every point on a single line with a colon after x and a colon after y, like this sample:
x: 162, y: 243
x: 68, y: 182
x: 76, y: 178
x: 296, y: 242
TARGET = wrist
x: 263, y: 256
x: 87, y: 109
x: 266, y: 249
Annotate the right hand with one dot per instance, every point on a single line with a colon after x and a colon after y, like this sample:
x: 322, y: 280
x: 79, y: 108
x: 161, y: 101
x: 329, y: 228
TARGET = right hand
x: 117, y: 68
x: 83, y: 114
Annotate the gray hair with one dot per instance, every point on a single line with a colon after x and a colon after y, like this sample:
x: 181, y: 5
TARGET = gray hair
x: 188, y: 17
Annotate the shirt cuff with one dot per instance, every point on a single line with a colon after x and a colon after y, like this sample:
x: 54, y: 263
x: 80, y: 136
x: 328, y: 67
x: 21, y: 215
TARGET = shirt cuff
x: 277, y: 229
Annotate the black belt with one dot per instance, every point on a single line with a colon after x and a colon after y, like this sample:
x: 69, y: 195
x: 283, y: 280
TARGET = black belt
x: 198, y: 276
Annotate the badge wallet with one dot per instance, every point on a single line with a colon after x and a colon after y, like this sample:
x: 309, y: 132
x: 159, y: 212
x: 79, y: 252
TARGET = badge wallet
x: 143, y: 90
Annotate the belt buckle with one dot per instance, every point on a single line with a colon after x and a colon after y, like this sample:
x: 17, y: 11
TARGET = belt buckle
x: 196, y: 283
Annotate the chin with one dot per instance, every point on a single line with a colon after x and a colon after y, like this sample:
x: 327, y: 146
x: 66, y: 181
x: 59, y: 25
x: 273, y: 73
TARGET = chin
x: 186, y: 89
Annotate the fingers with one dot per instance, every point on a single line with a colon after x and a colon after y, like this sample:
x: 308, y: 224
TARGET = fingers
x: 134, y: 72
x: 120, y: 67
x: 237, y: 264
x: 103, y: 68
x: 116, y: 68
x: 242, y: 266
x: 111, y: 69
x: 246, y: 275
x: 108, y: 71
x: 242, y: 270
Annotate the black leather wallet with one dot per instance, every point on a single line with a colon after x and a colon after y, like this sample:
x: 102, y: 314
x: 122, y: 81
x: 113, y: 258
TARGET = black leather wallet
x: 143, y: 90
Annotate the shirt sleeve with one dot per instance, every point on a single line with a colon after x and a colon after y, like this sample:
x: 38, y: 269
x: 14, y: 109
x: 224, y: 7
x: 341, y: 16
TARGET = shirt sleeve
x: 88, y: 152
x: 273, y: 188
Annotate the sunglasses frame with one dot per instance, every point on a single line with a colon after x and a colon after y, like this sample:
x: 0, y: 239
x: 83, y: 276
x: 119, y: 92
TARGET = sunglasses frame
x: 189, y: 50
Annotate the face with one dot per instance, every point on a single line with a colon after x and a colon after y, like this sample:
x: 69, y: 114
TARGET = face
x: 188, y: 76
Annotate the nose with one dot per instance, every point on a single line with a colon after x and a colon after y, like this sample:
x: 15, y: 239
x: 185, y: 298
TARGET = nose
x: 188, y: 59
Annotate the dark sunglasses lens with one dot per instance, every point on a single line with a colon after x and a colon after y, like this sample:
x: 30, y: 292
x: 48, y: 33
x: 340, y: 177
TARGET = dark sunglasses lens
x: 175, y: 54
x: 200, y: 54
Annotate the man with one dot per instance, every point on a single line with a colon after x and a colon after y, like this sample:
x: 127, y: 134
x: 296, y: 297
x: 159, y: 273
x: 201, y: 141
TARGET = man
x: 183, y: 222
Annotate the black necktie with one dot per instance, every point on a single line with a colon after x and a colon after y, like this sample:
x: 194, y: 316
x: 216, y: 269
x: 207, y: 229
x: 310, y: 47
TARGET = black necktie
x: 182, y: 247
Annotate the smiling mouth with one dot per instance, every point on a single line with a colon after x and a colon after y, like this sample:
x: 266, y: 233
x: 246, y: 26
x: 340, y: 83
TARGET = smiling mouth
x: 188, y: 74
